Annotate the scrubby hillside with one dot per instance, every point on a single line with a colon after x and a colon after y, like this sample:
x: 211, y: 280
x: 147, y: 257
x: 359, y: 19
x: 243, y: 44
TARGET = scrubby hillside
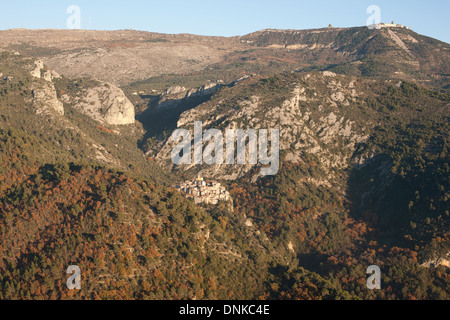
x: 363, y: 178
x: 135, y: 57
x: 66, y: 131
x: 364, y: 165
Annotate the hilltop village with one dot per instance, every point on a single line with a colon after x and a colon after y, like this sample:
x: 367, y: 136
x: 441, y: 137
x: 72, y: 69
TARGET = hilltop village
x: 204, y: 192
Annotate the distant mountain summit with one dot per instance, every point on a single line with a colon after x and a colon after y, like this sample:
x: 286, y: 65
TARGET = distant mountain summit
x: 392, y: 51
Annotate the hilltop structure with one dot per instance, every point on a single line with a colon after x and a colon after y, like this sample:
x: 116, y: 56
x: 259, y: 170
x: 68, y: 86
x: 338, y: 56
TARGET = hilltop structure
x: 204, y: 192
x: 391, y: 25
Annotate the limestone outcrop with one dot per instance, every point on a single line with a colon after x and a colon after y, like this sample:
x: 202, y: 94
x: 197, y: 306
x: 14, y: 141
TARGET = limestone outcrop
x: 104, y: 103
x: 311, y: 120
x: 44, y: 92
x: 45, y: 99
x: 101, y: 101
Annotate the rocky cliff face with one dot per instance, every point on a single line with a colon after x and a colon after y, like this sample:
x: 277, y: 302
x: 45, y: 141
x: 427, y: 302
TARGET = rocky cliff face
x: 316, y: 115
x: 176, y: 94
x: 45, y: 99
x: 46, y: 104
x: 103, y: 102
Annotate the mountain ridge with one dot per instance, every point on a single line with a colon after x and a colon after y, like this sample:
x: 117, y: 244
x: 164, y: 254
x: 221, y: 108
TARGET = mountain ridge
x: 93, y: 53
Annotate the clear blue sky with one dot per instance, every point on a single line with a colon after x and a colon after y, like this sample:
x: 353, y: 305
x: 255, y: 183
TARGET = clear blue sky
x: 225, y: 17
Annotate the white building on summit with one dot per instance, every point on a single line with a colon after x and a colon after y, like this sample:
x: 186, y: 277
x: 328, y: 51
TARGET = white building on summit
x: 204, y: 192
x: 391, y: 25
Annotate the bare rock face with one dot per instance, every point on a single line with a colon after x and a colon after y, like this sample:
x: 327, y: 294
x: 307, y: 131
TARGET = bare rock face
x: 309, y: 122
x: 45, y: 99
x: 178, y: 92
x: 175, y: 90
x: 104, y: 103
x: 438, y: 261
x: 49, y: 75
x: 36, y: 72
x: 203, y: 91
